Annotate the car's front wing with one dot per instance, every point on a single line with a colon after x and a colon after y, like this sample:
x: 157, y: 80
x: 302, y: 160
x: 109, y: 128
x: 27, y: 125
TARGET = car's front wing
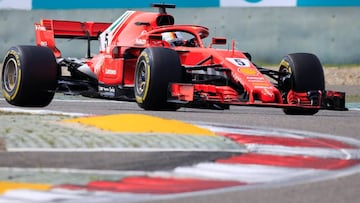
x: 196, y: 95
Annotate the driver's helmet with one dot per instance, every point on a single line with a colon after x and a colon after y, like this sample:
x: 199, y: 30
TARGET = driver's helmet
x: 174, y: 38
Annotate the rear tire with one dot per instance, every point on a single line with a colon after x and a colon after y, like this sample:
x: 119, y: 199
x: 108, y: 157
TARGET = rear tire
x: 29, y: 76
x: 156, y: 68
x: 305, y: 73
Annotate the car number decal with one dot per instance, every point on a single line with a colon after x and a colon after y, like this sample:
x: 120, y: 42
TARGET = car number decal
x: 240, y: 62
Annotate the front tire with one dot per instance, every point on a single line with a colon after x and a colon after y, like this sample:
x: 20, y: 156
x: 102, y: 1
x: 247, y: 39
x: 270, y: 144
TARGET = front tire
x: 29, y: 76
x: 156, y: 68
x: 300, y: 72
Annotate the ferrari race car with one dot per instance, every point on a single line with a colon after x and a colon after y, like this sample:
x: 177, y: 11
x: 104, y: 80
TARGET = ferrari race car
x: 147, y: 58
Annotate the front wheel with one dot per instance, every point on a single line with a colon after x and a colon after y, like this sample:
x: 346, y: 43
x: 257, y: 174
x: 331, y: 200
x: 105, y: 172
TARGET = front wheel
x: 29, y: 76
x: 156, y: 68
x: 300, y: 72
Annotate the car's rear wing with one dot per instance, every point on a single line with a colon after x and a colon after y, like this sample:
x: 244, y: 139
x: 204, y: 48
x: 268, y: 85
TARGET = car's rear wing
x: 47, y: 30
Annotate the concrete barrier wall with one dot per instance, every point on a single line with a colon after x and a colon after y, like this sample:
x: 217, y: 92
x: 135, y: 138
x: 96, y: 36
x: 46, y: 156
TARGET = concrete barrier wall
x: 332, y: 33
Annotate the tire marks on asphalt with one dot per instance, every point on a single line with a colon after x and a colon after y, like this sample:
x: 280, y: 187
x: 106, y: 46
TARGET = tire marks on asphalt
x: 141, y: 161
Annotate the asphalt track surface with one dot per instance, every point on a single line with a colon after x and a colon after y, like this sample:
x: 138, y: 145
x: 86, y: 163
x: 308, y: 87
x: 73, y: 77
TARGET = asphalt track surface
x: 345, y: 124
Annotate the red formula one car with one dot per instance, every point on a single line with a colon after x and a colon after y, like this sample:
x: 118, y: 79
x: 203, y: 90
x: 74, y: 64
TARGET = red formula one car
x: 145, y: 57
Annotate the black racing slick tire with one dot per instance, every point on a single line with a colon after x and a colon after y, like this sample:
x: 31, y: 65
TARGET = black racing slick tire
x: 156, y: 68
x: 29, y: 76
x: 300, y: 72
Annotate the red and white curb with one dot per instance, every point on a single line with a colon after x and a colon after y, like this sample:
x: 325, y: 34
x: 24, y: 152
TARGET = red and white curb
x: 274, y: 157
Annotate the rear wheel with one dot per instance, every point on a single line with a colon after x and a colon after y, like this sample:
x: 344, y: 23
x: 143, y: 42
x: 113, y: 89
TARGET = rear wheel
x: 300, y: 72
x: 156, y: 68
x: 29, y: 76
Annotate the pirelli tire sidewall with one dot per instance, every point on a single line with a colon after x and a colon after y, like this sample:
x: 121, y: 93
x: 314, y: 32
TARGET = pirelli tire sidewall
x: 36, y: 76
x: 160, y: 66
x: 11, y: 58
x: 143, y: 60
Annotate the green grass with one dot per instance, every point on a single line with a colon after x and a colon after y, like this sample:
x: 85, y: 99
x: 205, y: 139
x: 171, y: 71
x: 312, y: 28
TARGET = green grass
x: 352, y: 98
x: 342, y: 66
x: 4, y: 113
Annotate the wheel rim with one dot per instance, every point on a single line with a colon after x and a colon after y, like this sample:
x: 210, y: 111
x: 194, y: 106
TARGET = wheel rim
x: 141, y: 78
x: 11, y: 74
x: 284, y: 79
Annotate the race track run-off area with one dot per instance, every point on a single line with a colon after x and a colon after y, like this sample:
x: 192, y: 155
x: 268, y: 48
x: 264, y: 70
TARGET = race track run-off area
x: 261, y: 158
